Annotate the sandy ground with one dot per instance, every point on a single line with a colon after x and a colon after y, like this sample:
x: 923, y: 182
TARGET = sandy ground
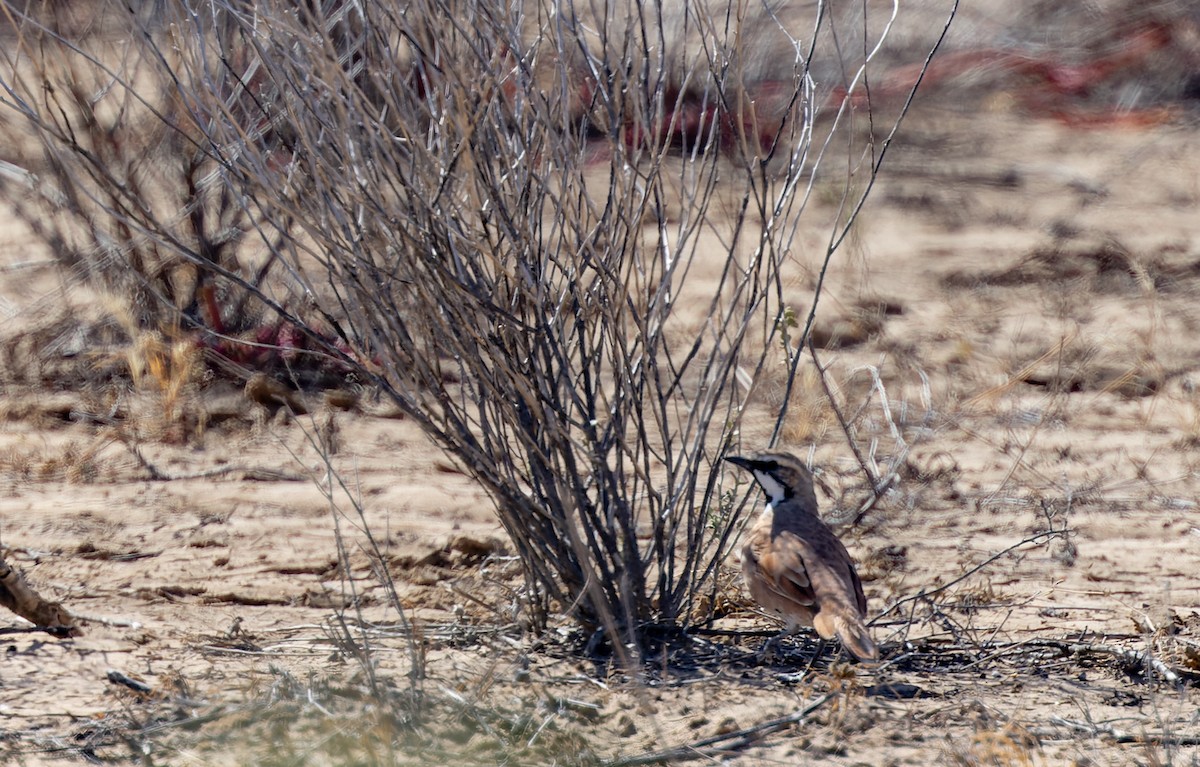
x: 1040, y: 348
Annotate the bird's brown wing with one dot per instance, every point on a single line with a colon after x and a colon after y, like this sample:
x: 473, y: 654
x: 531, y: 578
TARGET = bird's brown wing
x: 806, y: 572
x: 780, y: 560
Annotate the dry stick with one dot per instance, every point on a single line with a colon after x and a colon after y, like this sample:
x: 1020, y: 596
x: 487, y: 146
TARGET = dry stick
x: 1130, y: 657
x: 1137, y: 658
x: 727, y: 742
x: 923, y: 594
x: 841, y: 418
x: 17, y: 595
x: 878, y: 487
x: 1019, y: 462
x: 455, y: 589
x: 838, y: 238
x: 877, y: 164
x: 1118, y: 736
x: 157, y: 475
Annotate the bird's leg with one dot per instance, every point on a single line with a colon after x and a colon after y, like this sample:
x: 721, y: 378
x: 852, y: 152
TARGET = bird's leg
x: 769, y: 648
x: 767, y: 653
x: 822, y: 646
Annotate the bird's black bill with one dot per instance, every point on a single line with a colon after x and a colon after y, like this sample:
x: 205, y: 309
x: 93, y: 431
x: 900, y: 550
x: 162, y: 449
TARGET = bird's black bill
x: 737, y: 460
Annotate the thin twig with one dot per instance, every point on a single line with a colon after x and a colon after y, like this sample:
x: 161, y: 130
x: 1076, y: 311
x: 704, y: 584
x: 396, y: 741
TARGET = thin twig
x: 1117, y: 736
x: 837, y: 411
x: 925, y: 594
x: 879, y: 487
x: 1131, y: 658
x: 249, y: 472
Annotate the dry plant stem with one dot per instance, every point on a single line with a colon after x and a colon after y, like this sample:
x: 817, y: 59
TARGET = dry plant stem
x: 1141, y: 659
x: 1025, y: 652
x: 1109, y: 732
x: 878, y: 487
x: 717, y: 745
x: 356, y: 640
x: 837, y: 411
x: 127, y: 623
x: 101, y: 177
x: 250, y: 472
x: 19, y: 596
x: 839, y: 234
x: 926, y: 593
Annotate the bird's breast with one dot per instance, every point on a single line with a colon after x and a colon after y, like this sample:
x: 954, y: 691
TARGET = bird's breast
x: 767, y: 514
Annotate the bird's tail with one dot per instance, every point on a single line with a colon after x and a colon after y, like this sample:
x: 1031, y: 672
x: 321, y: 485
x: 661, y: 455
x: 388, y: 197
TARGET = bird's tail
x: 850, y: 629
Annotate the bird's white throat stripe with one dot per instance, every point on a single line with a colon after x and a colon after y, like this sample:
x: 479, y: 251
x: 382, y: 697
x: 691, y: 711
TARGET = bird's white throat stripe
x: 771, y: 486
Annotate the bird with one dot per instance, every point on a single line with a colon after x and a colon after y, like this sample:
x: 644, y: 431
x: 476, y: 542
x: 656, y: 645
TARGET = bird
x: 794, y: 565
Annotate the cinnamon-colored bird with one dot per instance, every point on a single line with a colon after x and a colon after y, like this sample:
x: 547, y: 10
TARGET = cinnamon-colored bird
x: 794, y: 565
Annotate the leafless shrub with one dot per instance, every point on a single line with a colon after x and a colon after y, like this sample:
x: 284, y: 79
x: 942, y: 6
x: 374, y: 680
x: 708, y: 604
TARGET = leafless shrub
x: 495, y: 213
x: 129, y: 213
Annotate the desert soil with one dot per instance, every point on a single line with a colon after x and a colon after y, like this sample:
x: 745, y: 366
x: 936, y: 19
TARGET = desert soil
x: 1040, y: 347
